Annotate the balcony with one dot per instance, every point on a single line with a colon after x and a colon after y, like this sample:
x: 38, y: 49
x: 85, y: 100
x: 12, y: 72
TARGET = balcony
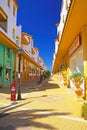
x: 3, y: 20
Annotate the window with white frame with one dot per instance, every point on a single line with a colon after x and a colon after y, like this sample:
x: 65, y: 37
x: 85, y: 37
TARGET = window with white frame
x: 17, y: 40
x: 13, y: 10
x: 9, y: 3
x: 3, y: 19
x: 13, y: 33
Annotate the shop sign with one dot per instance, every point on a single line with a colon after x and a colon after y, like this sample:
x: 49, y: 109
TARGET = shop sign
x: 8, y: 67
x: 75, y: 45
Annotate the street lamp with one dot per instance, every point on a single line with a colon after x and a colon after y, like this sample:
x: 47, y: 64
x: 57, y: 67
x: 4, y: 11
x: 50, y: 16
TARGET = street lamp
x: 19, y: 73
x: 40, y: 75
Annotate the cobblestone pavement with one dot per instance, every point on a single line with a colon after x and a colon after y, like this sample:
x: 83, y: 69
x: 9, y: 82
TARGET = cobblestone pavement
x: 45, y: 106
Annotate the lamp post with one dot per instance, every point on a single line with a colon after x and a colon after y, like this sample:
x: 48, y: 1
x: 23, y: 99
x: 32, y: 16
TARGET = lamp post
x: 40, y: 75
x: 19, y: 73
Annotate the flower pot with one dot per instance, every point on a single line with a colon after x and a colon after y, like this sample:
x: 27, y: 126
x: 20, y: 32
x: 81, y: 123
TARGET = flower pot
x: 77, y: 82
x: 77, y: 79
x: 78, y: 92
x: 85, y: 117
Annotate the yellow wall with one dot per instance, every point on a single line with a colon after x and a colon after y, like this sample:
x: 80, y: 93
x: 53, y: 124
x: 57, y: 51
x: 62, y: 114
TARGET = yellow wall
x: 84, y: 43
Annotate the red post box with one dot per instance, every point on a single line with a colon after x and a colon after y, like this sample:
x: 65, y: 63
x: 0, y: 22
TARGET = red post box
x: 13, y: 91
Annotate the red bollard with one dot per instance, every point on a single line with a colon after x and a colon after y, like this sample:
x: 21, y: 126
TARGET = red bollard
x: 13, y: 91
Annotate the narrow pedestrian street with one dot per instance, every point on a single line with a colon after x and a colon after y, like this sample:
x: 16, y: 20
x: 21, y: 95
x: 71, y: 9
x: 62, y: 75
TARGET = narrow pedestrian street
x: 43, y: 65
x: 45, y: 106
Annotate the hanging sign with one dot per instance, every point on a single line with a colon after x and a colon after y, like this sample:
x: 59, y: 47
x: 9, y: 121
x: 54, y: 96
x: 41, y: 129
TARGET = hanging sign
x: 75, y: 45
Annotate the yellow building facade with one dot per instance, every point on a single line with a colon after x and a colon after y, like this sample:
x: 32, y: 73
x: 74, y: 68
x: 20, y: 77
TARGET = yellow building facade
x: 72, y: 47
x: 30, y: 69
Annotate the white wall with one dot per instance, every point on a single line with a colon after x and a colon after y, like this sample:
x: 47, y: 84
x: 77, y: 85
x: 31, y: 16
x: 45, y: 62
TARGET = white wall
x: 63, y: 16
x: 11, y: 21
x: 56, y: 46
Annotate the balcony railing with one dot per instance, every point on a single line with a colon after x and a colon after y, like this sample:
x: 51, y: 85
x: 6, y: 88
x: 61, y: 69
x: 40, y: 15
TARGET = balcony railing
x: 3, y: 25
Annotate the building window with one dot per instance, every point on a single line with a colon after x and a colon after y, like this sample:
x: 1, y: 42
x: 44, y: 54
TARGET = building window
x: 13, y: 33
x: 7, y: 74
x: 8, y: 52
x: 30, y: 70
x: 17, y: 40
x: 13, y: 10
x: 67, y: 4
x: 59, y: 36
x: 63, y: 19
x: 3, y: 20
x: 1, y: 68
x: 9, y: 3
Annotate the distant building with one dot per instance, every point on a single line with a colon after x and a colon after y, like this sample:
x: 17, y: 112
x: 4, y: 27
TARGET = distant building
x: 30, y: 67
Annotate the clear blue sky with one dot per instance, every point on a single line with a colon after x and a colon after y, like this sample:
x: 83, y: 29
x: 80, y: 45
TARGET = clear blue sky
x: 38, y: 18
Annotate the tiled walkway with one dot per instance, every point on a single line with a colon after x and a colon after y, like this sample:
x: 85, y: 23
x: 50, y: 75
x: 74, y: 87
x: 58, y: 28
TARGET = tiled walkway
x: 49, y: 107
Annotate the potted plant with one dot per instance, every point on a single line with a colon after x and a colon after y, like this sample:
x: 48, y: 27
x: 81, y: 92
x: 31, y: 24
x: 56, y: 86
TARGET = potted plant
x: 84, y: 110
x: 77, y: 79
x: 77, y: 75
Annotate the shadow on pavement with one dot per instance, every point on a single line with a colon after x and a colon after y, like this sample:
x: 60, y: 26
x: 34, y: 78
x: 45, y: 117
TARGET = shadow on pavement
x: 7, y: 128
x: 48, y: 86
x: 32, y: 86
x: 12, y: 106
x: 28, y: 118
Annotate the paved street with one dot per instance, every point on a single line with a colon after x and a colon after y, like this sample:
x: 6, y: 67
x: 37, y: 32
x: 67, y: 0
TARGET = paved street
x: 45, y: 106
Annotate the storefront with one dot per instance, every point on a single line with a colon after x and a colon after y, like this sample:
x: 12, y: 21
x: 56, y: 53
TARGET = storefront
x: 76, y: 55
x: 6, y: 65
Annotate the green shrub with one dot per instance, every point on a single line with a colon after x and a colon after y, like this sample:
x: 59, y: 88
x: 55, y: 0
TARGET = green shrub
x: 47, y: 73
x: 76, y: 75
x: 84, y: 110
